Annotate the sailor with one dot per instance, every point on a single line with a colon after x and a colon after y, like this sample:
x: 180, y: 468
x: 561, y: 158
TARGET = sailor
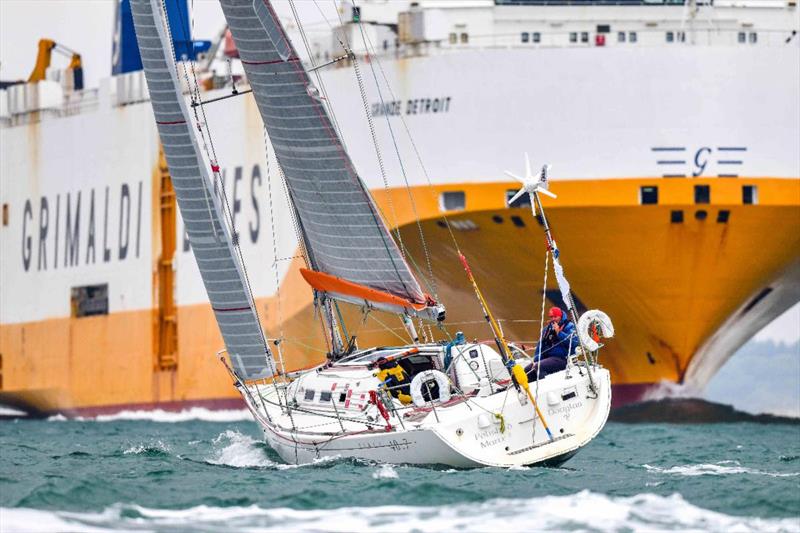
x: 558, y: 343
x: 395, y: 379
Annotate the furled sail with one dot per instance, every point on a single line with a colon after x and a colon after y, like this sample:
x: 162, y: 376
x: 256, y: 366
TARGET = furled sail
x: 342, y: 230
x: 200, y: 208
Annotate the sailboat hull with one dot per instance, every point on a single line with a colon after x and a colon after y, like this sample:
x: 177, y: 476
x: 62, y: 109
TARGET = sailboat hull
x: 461, y: 434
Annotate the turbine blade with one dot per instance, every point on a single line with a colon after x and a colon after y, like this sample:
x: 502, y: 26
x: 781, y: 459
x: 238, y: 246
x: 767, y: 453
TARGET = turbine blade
x: 517, y: 196
x: 508, y: 172
x: 547, y: 193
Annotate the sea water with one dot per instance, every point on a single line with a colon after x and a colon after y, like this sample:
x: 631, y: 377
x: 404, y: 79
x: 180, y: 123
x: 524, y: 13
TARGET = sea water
x: 205, y: 471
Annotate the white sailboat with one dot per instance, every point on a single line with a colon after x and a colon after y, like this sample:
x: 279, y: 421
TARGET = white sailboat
x: 457, y: 403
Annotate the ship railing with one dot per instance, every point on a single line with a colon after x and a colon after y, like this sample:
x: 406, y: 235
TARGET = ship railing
x: 629, y: 37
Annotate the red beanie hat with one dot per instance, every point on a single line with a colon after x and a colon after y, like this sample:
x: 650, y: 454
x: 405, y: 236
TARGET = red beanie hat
x: 555, y: 312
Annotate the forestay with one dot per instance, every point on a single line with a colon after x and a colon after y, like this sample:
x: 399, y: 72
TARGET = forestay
x: 200, y: 208
x: 344, y: 234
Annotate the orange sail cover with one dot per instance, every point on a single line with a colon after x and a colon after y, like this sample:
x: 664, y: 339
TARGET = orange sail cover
x: 355, y: 293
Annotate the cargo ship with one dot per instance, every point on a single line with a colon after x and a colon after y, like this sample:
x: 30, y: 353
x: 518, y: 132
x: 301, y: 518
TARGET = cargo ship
x: 673, y: 129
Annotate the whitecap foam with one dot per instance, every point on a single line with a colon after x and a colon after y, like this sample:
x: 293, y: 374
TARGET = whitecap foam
x: 232, y: 448
x: 159, y: 415
x: 721, y: 468
x: 584, y: 510
x: 139, y: 449
x: 385, y: 472
x: 239, y: 451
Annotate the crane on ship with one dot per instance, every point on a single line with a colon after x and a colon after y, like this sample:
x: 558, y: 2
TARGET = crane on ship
x: 44, y: 58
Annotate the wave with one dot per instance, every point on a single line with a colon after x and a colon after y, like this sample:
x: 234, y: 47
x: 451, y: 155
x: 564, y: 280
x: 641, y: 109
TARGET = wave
x: 159, y: 415
x: 237, y: 450
x: 581, y: 511
x: 385, y: 472
x: 156, y: 448
x: 721, y: 468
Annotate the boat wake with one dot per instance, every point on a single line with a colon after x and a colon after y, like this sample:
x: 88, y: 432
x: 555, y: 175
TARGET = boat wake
x: 581, y: 511
x: 158, y: 415
x: 237, y: 450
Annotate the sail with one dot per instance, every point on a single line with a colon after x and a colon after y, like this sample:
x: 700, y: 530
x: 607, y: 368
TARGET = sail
x: 219, y: 265
x: 342, y: 230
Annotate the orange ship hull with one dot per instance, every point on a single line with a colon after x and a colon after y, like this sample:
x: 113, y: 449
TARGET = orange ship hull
x: 668, y: 286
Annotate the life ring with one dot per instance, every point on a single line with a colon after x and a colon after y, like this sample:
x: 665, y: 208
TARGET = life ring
x: 422, y: 378
x: 603, y: 325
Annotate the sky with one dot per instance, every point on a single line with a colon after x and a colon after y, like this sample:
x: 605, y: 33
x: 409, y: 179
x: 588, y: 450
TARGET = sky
x: 86, y: 26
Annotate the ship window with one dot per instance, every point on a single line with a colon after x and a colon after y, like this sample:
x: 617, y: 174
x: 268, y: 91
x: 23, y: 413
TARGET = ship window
x: 309, y: 395
x: 701, y: 214
x: 648, y: 195
x: 723, y: 216
x: 89, y: 300
x: 525, y: 37
x: 584, y: 36
x: 453, y: 38
x: 342, y: 397
x: 536, y: 37
x: 670, y: 37
x: 464, y: 38
x: 497, y: 219
x: 603, y: 28
x: 573, y: 37
x: 749, y: 194
x: 676, y: 217
x: 452, y: 200
x: 325, y: 396
x: 742, y: 37
x: 518, y: 222
x: 753, y: 37
x: 702, y: 194
x: 632, y: 37
x: 385, y: 44
x: 621, y: 37
x: 523, y: 201
x: 5, y: 214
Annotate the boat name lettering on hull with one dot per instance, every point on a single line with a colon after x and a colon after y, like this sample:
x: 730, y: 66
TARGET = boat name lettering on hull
x: 489, y: 437
x: 565, y: 409
x: 393, y: 444
x: 412, y: 106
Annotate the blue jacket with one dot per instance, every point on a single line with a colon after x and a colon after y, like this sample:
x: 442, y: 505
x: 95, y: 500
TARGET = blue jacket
x: 558, y: 344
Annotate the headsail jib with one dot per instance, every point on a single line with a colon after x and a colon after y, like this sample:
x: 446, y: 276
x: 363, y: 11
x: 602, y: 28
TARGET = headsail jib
x: 341, y: 227
x: 220, y: 266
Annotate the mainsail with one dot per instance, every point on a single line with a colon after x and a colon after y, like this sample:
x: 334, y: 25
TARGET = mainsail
x: 347, y: 242
x: 200, y: 208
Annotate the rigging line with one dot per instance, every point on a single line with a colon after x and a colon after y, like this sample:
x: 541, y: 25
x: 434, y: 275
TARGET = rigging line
x: 226, y: 208
x: 541, y: 329
x: 417, y: 152
x: 315, y: 70
x: 376, y: 144
x: 379, y: 215
x: 370, y: 48
x: 348, y: 48
x: 374, y: 210
x: 389, y: 329
x: 275, y: 264
x: 165, y: 22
